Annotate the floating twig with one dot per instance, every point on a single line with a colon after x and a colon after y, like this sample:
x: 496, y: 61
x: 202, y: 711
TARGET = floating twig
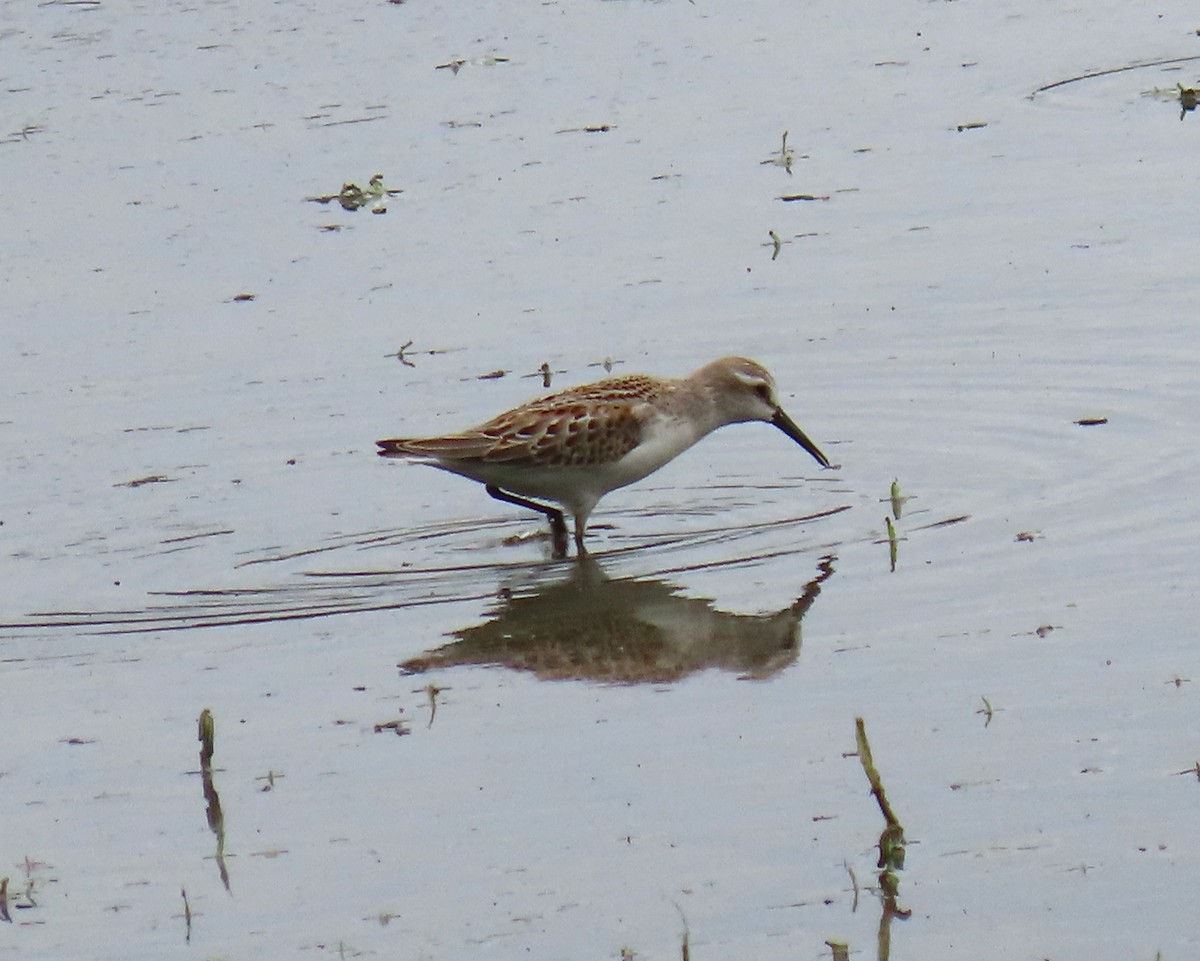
x: 269, y: 779
x: 1112, y: 70
x: 143, y: 481
x: 187, y: 917
x: 404, y: 355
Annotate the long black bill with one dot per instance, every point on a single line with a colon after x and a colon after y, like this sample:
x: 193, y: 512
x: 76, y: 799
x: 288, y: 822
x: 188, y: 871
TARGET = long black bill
x: 788, y: 426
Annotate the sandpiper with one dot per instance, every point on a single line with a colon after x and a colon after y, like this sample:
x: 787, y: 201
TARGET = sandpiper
x: 574, y: 446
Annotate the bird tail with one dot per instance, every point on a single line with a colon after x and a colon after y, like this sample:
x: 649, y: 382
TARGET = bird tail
x: 397, y: 447
x: 456, y: 447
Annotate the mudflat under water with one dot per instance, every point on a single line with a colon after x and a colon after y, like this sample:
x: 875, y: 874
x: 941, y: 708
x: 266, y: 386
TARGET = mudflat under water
x: 981, y: 289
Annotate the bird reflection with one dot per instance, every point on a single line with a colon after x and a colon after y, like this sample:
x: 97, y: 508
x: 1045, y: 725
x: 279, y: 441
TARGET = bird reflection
x: 624, y: 631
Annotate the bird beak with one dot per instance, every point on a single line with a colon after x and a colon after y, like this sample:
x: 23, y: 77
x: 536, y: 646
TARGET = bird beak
x: 788, y: 426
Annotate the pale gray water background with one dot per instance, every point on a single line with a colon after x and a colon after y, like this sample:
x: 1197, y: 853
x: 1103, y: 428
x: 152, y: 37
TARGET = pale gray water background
x: 946, y: 315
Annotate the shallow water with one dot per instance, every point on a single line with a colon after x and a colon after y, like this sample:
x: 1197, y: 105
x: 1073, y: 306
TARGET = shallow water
x: 656, y: 743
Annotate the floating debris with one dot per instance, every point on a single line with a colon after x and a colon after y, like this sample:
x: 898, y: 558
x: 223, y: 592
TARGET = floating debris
x: 432, y: 691
x: 404, y: 355
x: 789, y: 198
x: 149, y: 479
x: 987, y: 711
x: 783, y: 158
x: 399, y: 354
x: 458, y: 63
x: 1187, y: 99
x: 608, y: 364
x: 898, y: 500
x: 546, y: 372
x: 945, y: 523
x: 352, y: 197
x: 269, y: 780
x: 1184, y: 96
x: 187, y: 917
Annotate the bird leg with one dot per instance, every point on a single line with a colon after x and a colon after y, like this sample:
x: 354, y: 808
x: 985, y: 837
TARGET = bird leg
x: 558, y: 526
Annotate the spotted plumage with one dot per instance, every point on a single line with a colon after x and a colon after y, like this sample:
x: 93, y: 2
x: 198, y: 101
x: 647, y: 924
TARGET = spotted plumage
x: 574, y: 446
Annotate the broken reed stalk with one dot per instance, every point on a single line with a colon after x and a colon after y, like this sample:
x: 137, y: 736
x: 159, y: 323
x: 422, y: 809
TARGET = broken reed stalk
x: 206, y: 734
x: 187, y: 916
x: 868, y: 764
x: 891, y: 846
x: 216, y: 818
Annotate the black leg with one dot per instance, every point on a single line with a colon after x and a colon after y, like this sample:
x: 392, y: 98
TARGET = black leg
x: 558, y: 526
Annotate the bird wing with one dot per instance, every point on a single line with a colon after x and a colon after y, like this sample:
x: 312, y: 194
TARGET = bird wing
x: 576, y: 428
